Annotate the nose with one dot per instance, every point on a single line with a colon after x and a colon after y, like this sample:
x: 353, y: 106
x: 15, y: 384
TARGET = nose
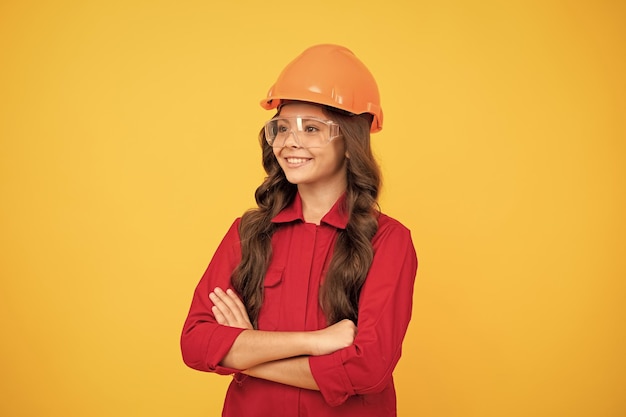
x: 291, y: 141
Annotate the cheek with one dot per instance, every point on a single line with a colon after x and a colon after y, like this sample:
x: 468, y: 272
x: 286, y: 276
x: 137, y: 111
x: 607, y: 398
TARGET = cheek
x: 341, y: 154
x: 340, y: 146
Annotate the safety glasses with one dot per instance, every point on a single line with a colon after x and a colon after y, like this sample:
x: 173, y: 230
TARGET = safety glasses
x: 308, y: 132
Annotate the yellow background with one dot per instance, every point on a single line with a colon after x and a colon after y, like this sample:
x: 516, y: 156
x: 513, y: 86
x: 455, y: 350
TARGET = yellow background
x: 128, y: 145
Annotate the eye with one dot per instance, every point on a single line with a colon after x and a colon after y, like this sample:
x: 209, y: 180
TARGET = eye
x: 282, y: 128
x: 312, y: 126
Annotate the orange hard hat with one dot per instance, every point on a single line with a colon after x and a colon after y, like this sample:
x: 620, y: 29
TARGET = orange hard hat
x: 330, y: 75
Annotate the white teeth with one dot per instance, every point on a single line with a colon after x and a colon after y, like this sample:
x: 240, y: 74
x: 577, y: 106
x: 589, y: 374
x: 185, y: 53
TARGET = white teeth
x: 296, y: 160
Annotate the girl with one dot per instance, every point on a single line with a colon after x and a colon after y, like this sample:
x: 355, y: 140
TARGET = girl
x: 308, y: 297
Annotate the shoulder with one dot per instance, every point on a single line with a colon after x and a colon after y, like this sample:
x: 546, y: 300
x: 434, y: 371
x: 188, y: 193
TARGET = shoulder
x: 391, y: 230
x: 232, y: 238
x: 392, y: 233
x: 387, y: 224
x: 233, y: 230
x: 393, y: 246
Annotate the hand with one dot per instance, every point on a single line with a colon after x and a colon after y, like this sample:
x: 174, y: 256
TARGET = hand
x: 338, y: 336
x: 229, y: 310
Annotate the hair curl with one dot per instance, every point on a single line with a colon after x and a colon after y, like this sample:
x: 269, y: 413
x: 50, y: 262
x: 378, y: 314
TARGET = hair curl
x: 353, y: 254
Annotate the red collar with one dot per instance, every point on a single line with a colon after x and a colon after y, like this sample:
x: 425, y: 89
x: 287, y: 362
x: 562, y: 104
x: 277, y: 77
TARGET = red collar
x: 337, y: 216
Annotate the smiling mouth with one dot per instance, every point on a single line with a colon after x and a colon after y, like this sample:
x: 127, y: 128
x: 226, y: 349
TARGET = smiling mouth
x: 297, y: 160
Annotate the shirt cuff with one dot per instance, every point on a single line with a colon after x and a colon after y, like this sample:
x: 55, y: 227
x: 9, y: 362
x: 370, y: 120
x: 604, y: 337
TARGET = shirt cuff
x: 331, y: 378
x: 221, y: 341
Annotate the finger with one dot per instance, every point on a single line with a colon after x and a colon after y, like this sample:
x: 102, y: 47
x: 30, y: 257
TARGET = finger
x: 224, y: 297
x: 222, y: 308
x: 219, y: 317
x: 239, y: 304
x: 235, y: 299
x: 234, y: 312
x: 217, y: 312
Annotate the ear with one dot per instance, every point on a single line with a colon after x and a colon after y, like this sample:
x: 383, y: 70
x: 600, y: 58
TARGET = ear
x: 347, y: 155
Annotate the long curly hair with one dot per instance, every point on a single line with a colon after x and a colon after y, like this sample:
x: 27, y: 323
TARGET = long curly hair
x: 353, y: 253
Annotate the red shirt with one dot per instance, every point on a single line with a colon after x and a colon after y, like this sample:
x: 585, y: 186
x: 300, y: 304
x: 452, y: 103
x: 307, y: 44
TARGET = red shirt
x: 355, y: 381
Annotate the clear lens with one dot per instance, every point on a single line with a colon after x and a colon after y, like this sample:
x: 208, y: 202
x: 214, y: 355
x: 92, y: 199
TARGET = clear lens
x: 308, y: 132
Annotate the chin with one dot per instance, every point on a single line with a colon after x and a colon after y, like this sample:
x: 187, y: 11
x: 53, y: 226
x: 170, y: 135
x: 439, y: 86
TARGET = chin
x: 295, y: 181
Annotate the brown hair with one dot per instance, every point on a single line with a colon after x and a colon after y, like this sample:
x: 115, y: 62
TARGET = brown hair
x: 353, y: 254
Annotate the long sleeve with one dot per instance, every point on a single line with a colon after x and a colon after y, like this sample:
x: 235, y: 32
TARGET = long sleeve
x: 204, y: 343
x: 384, y: 313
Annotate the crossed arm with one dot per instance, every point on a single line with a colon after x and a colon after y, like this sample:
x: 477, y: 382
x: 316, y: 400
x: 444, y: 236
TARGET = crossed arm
x: 276, y: 356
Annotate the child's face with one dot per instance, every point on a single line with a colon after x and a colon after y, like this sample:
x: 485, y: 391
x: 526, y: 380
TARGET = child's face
x: 312, y: 167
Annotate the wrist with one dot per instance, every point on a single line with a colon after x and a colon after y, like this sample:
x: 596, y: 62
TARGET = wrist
x: 306, y: 342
